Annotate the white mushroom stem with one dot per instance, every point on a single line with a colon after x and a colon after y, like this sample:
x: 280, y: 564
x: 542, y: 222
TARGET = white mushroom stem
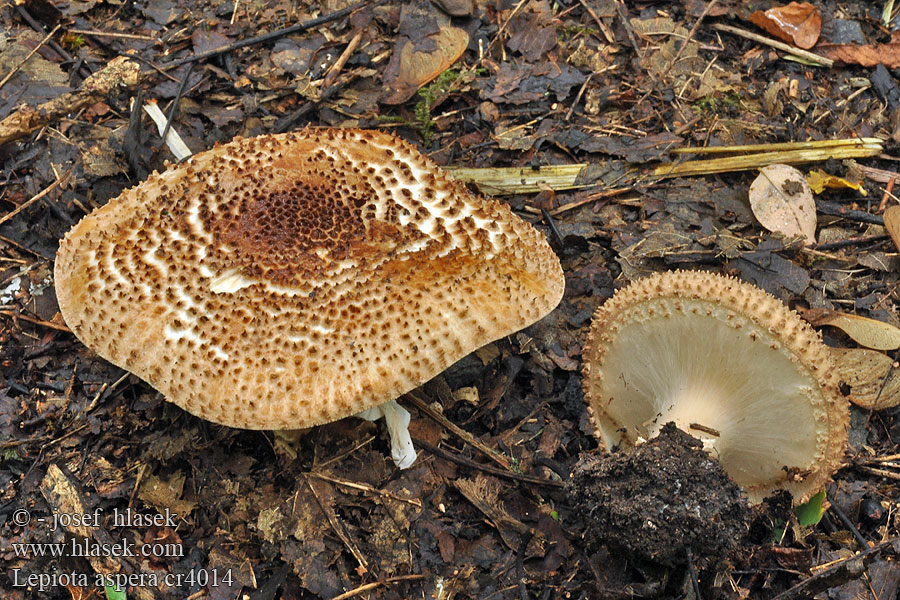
x: 397, y: 419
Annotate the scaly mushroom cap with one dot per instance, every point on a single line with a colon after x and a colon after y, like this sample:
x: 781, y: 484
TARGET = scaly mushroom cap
x: 729, y: 364
x: 290, y: 280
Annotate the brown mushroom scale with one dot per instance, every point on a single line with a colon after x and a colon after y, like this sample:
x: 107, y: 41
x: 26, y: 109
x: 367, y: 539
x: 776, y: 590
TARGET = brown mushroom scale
x: 727, y: 363
x: 290, y: 280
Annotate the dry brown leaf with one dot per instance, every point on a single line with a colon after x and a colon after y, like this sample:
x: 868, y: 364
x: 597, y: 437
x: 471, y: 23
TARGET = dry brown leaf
x: 892, y: 223
x: 870, y: 333
x: 873, y: 380
x: 782, y: 201
x: 166, y: 494
x: 410, y: 68
x: 798, y: 23
x: 868, y: 55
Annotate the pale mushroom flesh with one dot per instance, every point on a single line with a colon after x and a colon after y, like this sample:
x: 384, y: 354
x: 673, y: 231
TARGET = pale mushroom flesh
x: 727, y: 363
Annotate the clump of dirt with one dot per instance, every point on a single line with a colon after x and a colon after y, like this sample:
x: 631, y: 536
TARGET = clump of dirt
x: 658, y: 499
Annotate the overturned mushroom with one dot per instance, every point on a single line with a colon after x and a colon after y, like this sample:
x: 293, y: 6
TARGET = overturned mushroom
x: 290, y: 280
x: 729, y: 364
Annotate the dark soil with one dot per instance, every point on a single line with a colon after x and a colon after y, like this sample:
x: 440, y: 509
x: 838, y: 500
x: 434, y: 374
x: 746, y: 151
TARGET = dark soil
x: 664, y: 502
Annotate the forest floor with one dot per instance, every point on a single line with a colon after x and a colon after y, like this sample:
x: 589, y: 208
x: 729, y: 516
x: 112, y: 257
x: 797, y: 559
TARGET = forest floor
x: 618, y: 87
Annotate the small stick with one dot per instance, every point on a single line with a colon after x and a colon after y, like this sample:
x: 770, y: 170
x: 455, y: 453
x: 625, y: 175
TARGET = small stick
x: 578, y: 97
x: 27, y: 58
x: 173, y: 110
x: 610, y: 38
x: 819, y: 60
x: 118, y: 72
x: 335, y: 69
x: 620, y: 8
x: 486, y: 468
x: 371, y: 586
x: 879, y: 472
x: 887, y: 194
x: 274, y: 35
x: 36, y: 197
x: 854, y: 241
x: 464, y: 435
x: 338, y: 528
x: 695, y: 582
x: 48, y: 324
x: 850, y: 526
x: 111, y: 34
x: 889, y: 457
x: 365, y: 488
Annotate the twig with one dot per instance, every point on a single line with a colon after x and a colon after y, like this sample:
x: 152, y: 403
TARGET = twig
x: 578, y: 97
x: 371, y: 586
x: 14, y: 443
x: 338, y: 528
x: 111, y: 34
x: 485, y: 468
x: 620, y: 8
x: 274, y: 35
x: 173, y: 110
x: 854, y: 241
x: 20, y: 8
x: 27, y: 58
x: 849, y: 525
x: 833, y: 209
x: 365, y: 488
x: 815, y: 58
x: 879, y: 472
x: 695, y: 581
x: 610, y: 38
x: 61, y: 180
x: 775, y: 147
x: 335, y: 69
x: 36, y: 321
x: 103, y: 388
x: 839, y: 573
x: 120, y: 71
x: 851, y: 148
x: 464, y: 435
x: 889, y: 457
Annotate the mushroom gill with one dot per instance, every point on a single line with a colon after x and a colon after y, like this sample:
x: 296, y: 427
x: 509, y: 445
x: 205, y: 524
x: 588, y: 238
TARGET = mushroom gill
x: 290, y: 280
x: 727, y: 363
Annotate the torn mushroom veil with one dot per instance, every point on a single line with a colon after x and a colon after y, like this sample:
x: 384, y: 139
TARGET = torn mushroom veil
x: 290, y: 280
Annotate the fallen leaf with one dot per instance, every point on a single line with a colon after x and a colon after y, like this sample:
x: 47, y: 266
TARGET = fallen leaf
x: 531, y: 37
x: 873, y: 380
x: 411, y: 68
x: 866, y: 55
x: 819, y: 180
x: 892, y: 223
x: 782, y: 201
x: 799, y: 23
x: 166, y: 494
x: 870, y: 333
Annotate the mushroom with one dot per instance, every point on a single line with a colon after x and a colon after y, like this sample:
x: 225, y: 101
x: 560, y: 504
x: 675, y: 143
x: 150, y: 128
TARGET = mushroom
x: 727, y: 363
x: 291, y: 280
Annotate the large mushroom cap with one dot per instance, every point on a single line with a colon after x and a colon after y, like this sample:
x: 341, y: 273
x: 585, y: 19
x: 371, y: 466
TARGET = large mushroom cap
x: 729, y: 364
x: 290, y: 280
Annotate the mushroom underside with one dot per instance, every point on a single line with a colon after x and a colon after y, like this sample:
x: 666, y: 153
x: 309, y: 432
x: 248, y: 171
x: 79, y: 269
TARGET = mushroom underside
x: 757, y: 416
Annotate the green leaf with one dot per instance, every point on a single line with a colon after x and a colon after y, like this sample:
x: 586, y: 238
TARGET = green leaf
x: 811, y: 513
x: 113, y: 593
